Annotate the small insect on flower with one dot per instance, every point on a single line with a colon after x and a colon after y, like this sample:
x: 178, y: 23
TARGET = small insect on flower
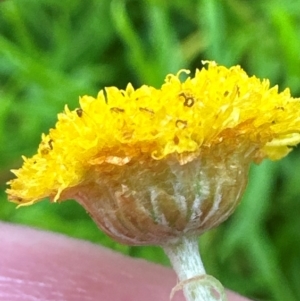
x: 79, y: 112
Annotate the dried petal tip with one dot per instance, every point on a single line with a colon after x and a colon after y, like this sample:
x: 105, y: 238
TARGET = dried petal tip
x: 151, y: 164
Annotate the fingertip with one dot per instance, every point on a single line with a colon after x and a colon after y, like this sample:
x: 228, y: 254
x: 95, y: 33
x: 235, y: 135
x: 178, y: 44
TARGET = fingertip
x: 39, y: 265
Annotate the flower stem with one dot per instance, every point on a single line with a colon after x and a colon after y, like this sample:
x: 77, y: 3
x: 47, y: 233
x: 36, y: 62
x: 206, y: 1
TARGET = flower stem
x: 196, y: 284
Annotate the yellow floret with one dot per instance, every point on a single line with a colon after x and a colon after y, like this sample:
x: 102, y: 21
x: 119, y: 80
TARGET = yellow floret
x: 184, y: 119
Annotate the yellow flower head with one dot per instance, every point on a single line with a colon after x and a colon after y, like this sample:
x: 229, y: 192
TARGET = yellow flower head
x: 123, y: 140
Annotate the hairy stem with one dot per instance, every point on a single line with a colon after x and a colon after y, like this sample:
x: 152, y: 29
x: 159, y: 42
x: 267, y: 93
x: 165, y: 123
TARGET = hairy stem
x: 196, y: 284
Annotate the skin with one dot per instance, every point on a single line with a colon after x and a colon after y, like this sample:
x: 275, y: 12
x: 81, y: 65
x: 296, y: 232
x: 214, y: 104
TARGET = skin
x: 43, y: 266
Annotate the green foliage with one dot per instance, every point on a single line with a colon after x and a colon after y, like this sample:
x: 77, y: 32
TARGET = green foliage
x: 53, y: 51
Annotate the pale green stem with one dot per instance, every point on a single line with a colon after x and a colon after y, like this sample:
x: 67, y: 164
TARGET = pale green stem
x: 196, y: 284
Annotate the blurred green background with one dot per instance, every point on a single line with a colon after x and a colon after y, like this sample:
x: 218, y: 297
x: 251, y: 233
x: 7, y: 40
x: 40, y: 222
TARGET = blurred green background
x: 52, y: 51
